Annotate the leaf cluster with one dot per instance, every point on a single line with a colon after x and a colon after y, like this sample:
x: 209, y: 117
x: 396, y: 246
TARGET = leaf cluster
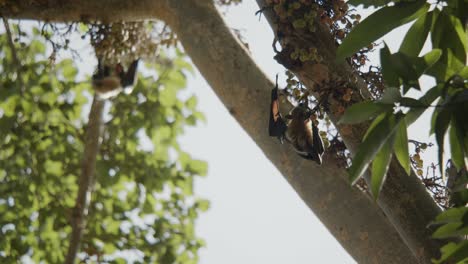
x: 446, y: 63
x: 453, y: 223
x: 144, y: 200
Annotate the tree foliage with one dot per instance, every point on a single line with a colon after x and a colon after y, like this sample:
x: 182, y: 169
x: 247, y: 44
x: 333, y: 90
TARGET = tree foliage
x: 143, y: 202
x: 444, y: 24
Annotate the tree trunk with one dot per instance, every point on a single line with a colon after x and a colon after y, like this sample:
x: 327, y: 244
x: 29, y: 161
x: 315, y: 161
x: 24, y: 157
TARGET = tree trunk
x: 351, y: 216
x: 86, y: 180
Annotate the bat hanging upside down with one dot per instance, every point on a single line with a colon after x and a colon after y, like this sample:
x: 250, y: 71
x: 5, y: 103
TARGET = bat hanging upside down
x: 300, y: 131
x: 110, y: 81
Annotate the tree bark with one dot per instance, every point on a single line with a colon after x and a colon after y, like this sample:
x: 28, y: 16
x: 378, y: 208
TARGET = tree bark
x: 351, y: 216
x: 86, y: 180
x: 73, y: 11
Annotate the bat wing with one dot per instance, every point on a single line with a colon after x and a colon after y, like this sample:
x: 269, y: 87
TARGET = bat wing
x: 129, y: 78
x: 277, y: 127
x: 312, y: 156
x: 102, y: 71
x: 318, y: 142
x: 313, y: 149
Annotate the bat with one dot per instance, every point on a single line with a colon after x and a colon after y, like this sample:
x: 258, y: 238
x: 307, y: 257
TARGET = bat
x: 110, y: 81
x: 299, y: 130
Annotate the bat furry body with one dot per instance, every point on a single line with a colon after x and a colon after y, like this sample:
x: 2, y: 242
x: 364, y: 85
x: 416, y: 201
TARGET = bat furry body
x: 299, y: 130
x: 110, y: 81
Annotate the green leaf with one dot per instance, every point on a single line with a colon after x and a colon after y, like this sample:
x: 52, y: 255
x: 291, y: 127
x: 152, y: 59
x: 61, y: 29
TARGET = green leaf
x: 53, y: 167
x: 203, y: 205
x: 401, y: 147
x: 187, y: 186
x: 380, y: 23
x: 182, y: 63
x: 198, y: 167
x: 447, y: 66
x: 464, y: 72
x: 363, y: 111
x: 456, y: 148
x: 199, y: 116
x: 448, y: 34
x: 9, y: 105
x: 36, y: 31
x: 453, y: 253
x: 451, y: 215
x: 427, y: 99
x: 401, y: 67
x: 83, y: 28
x: 428, y: 60
x: 374, y: 141
x: 109, y: 248
x: 68, y: 69
x: 408, y: 68
x: 441, y: 125
x: 37, y: 47
x: 390, y: 76
x: 405, y: 68
x: 411, y: 102
x: 168, y: 96
x: 374, y: 123
x: 191, y: 120
x: 460, y: 195
x: 451, y: 230
x: 191, y: 103
x: 391, y: 96
x: 380, y: 167
x: 416, y: 36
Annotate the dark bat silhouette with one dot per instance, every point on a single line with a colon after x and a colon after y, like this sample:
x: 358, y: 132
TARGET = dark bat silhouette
x: 109, y: 81
x: 300, y: 131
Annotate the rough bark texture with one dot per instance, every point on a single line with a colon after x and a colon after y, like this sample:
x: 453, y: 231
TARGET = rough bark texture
x: 86, y: 180
x: 72, y: 10
x: 351, y: 217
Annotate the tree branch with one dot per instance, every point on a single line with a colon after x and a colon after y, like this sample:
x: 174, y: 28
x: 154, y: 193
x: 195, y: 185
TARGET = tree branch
x: 86, y: 180
x: 70, y: 10
x: 14, y: 54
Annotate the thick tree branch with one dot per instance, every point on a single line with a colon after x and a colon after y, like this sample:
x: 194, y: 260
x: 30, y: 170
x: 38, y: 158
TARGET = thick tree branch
x: 350, y: 216
x: 72, y: 10
x: 86, y: 180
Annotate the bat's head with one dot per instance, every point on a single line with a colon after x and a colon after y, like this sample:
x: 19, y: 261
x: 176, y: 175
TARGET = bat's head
x: 300, y: 112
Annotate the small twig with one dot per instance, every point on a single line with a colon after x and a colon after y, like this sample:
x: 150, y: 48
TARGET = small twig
x: 16, y: 61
